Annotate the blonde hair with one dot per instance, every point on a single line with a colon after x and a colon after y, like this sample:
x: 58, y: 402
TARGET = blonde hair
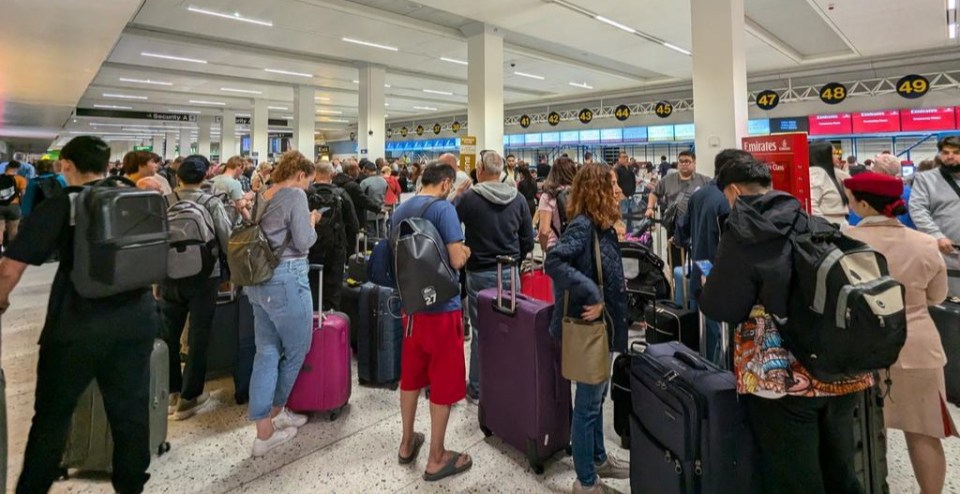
x: 385, y: 170
x: 291, y: 163
x: 887, y: 164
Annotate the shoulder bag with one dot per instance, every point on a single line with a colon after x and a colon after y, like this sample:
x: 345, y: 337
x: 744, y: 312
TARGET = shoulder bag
x: 586, y: 347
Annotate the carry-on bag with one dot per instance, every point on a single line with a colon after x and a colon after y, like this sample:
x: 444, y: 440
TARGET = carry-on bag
x: 536, y: 284
x: 947, y: 318
x: 688, y: 433
x: 325, y: 382
x: 90, y: 444
x: 870, y: 436
x: 357, y: 262
x: 620, y: 395
x: 380, y: 338
x: 350, y: 305
x: 232, y: 344
x: 524, y: 399
x: 667, y: 321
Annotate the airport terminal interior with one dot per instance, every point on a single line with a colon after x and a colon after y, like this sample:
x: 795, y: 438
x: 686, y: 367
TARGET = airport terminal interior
x: 409, y: 81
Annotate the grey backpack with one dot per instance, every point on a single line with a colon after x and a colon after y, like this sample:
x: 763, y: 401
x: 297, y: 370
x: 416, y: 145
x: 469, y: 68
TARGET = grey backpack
x: 193, y: 240
x: 249, y: 255
x: 421, y: 265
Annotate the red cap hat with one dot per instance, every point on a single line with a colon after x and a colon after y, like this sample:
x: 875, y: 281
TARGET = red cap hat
x: 875, y: 183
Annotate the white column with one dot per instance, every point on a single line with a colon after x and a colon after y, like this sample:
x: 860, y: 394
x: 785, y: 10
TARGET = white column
x: 371, y: 125
x: 228, y: 141
x: 185, y: 142
x: 304, y: 118
x: 158, y: 145
x: 203, y: 135
x: 485, y: 85
x: 259, y: 142
x: 719, y: 78
x: 170, y: 149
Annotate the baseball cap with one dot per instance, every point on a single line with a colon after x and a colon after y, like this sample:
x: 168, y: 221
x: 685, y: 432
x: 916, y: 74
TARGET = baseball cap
x: 193, y: 169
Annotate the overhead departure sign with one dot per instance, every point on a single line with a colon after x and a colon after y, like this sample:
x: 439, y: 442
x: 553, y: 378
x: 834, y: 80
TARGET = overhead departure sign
x: 524, y: 120
x: 833, y: 93
x: 585, y: 116
x: 622, y: 112
x: 767, y: 100
x: 663, y: 109
x: 553, y: 118
x: 137, y: 115
x: 913, y: 86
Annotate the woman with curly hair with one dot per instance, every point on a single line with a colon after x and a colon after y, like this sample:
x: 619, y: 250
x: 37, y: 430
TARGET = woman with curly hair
x: 551, y: 219
x: 572, y: 263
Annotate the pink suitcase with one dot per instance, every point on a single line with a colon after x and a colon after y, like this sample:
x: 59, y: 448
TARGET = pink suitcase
x: 325, y: 381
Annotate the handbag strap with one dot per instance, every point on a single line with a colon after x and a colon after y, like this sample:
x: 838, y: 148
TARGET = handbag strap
x: 950, y: 180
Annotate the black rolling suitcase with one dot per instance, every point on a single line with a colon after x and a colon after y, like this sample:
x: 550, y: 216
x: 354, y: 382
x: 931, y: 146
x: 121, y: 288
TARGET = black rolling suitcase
x: 870, y: 460
x: 380, y: 336
x: 688, y: 433
x: 667, y: 321
x: 232, y: 344
x: 947, y: 318
x: 350, y: 305
x: 620, y: 396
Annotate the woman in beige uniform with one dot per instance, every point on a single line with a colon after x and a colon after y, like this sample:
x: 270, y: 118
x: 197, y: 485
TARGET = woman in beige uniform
x: 916, y: 402
x: 827, y: 198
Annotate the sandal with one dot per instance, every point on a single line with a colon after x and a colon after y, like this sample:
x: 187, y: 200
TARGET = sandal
x: 418, y: 440
x: 449, y: 469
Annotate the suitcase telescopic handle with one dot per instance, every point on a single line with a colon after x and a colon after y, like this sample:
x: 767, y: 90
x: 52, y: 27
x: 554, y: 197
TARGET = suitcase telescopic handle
x: 690, y: 360
x: 501, y: 260
x: 319, y: 269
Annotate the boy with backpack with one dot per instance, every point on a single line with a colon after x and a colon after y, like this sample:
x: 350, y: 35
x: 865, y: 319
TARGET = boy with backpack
x: 108, y: 338
x: 199, y: 234
x: 336, y: 231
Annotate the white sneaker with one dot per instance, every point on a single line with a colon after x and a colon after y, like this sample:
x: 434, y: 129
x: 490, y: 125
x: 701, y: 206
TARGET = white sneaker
x: 598, y: 488
x: 286, y: 419
x: 280, y: 436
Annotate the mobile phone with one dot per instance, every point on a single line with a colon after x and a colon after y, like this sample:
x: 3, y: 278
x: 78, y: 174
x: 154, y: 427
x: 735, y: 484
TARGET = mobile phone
x: 907, y: 170
x: 324, y: 210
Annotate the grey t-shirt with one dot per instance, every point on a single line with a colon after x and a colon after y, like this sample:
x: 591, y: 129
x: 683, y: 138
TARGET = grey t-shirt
x: 288, y: 214
x: 375, y: 188
x: 228, y: 184
x: 671, y: 189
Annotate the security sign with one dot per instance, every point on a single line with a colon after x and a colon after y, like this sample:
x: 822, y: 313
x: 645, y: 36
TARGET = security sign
x: 767, y: 100
x: 404, y: 131
x: 419, y: 130
x: 553, y: 118
x: 437, y: 128
x: 585, y: 116
x: 913, y: 86
x: 663, y: 109
x: 455, y: 127
x: 622, y: 112
x: 833, y: 93
x: 525, y: 120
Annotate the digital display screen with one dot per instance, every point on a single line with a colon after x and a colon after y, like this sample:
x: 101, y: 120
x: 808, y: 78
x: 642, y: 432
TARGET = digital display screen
x: 514, y: 140
x: 831, y: 124
x: 660, y: 133
x: 590, y: 136
x: 635, y: 134
x: 550, y: 138
x: 789, y: 124
x: 758, y: 127
x: 611, y: 135
x: 875, y: 122
x: 683, y: 132
x: 532, y: 139
x: 924, y: 119
x: 570, y: 137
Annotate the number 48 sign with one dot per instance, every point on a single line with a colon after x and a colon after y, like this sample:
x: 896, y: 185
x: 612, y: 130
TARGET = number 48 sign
x: 833, y: 93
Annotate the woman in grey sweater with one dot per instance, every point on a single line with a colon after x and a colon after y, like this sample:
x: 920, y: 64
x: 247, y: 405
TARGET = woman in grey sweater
x: 282, y: 309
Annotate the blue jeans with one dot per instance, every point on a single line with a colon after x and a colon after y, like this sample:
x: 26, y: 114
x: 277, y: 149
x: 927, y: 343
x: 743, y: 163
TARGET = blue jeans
x: 283, y: 326
x: 626, y: 211
x: 586, y: 432
x: 477, y: 281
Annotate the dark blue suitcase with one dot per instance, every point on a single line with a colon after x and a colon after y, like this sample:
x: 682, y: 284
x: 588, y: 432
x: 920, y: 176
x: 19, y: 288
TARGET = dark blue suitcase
x: 380, y: 336
x: 688, y: 433
x: 947, y: 318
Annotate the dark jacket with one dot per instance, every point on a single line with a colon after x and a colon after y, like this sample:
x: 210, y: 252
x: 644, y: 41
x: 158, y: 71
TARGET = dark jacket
x: 627, y: 181
x: 754, y: 262
x: 497, y: 223
x: 361, y: 203
x: 570, y: 263
x: 351, y: 227
x: 699, y: 227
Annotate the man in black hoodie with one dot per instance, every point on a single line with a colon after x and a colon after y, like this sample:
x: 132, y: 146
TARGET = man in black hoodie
x: 361, y: 203
x: 803, y: 427
x: 336, y: 234
x: 497, y: 222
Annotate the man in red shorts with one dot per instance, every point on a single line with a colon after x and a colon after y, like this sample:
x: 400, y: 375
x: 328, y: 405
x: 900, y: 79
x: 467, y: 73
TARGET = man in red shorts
x: 433, y: 351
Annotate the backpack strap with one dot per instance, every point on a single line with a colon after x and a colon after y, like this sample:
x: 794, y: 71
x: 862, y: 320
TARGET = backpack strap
x: 426, y: 207
x: 950, y: 181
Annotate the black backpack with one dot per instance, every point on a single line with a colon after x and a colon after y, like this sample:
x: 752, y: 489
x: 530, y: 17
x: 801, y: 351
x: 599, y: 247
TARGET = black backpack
x: 8, y: 189
x: 47, y: 187
x: 422, y: 269
x: 330, y: 228
x: 847, y: 316
x: 562, y: 199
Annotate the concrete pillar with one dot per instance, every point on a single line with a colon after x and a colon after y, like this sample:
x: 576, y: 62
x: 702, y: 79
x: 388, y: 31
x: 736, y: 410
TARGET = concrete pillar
x: 170, y: 149
x: 228, y: 141
x: 158, y: 145
x: 304, y: 118
x: 259, y: 131
x: 203, y: 135
x: 185, y: 141
x: 371, y: 125
x: 485, y: 85
x: 719, y: 78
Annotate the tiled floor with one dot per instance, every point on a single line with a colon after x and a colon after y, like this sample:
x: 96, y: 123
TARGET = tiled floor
x: 356, y: 453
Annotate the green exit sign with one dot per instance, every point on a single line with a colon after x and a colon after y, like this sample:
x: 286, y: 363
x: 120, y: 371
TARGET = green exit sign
x: 143, y: 148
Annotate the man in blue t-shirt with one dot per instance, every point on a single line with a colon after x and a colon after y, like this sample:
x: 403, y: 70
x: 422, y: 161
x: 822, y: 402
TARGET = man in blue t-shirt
x: 433, y: 349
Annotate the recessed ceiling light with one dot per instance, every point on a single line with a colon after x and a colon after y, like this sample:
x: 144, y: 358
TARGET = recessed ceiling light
x: 367, y: 43
x: 146, y: 81
x: 386, y: 85
x: 427, y: 108
x: 615, y: 24
x: 434, y: 91
x: 281, y: 108
x: 234, y: 16
x: 123, y: 96
x: 114, y: 107
x: 335, y: 120
x: 330, y: 112
x: 171, y: 57
x: 287, y: 72
x: 235, y: 90
x: 322, y: 98
x: 531, y: 76
x: 386, y: 104
x: 356, y: 81
x: 582, y: 85
x: 287, y: 117
x: 454, y: 60
x: 386, y: 116
x: 175, y: 110
x: 205, y: 102
x: 676, y: 48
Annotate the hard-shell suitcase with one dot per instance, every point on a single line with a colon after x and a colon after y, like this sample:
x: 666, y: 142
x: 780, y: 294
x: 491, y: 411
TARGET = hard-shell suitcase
x: 232, y: 343
x: 688, y: 431
x: 620, y: 395
x: 357, y: 262
x: 90, y: 444
x: 350, y: 305
x: 536, y: 284
x: 325, y: 382
x: 380, y: 337
x: 870, y: 459
x: 524, y: 399
x: 667, y: 321
x: 947, y: 318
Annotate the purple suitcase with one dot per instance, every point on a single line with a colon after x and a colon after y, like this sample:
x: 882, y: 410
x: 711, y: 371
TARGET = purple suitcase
x: 524, y: 399
x: 325, y: 381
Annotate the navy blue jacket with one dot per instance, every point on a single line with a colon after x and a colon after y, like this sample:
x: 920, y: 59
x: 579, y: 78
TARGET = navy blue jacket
x: 570, y: 263
x: 700, y: 226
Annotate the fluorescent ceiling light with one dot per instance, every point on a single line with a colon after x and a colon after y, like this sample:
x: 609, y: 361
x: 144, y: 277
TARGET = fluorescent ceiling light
x: 386, y: 85
x: 287, y: 72
x: 114, y: 107
x: 676, y: 48
x: 330, y: 112
x: 335, y: 120
x: 322, y: 98
x: 235, y: 90
x: 146, y: 81
x: 234, y: 16
x: 123, y: 96
x: 531, y: 76
x: 356, y: 81
x: 367, y: 43
x: 241, y: 114
x: 175, y: 110
x: 171, y: 57
x: 951, y: 4
x: 434, y: 91
x: 454, y: 60
x: 615, y: 24
x: 287, y: 117
x: 386, y: 104
x: 427, y: 108
x: 582, y: 85
x: 281, y: 108
x: 205, y: 102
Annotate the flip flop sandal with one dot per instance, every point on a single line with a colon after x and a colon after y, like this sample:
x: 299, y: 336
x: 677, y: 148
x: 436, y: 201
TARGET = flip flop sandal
x: 418, y: 440
x: 449, y: 469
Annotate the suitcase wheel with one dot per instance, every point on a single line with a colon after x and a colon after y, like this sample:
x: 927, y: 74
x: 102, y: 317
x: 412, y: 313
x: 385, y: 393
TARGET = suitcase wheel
x: 486, y: 431
x: 625, y: 442
x: 334, y: 415
x: 163, y: 448
x: 537, y: 467
x: 394, y: 386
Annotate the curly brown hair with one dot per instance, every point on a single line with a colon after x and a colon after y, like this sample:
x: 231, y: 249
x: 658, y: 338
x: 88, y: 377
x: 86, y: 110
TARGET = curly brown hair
x: 291, y: 163
x: 593, y: 194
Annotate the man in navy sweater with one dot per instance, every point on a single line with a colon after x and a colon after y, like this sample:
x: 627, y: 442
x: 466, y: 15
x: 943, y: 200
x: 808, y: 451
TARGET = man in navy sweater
x: 497, y: 222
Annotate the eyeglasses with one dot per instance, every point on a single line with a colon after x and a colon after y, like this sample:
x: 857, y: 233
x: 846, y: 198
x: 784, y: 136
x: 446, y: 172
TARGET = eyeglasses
x: 686, y: 162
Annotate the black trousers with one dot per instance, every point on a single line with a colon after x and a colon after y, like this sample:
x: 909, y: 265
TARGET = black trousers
x: 806, y: 445
x: 122, y: 369
x: 333, y: 267
x: 197, y: 300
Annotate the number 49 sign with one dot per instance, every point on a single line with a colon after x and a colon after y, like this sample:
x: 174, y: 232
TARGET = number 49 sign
x: 913, y: 86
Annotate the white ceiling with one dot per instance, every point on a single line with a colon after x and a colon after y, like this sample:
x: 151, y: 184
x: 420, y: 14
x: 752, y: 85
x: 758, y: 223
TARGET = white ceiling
x: 51, y: 73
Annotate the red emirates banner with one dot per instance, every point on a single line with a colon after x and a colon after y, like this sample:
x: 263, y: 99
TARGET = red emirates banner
x: 788, y: 157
